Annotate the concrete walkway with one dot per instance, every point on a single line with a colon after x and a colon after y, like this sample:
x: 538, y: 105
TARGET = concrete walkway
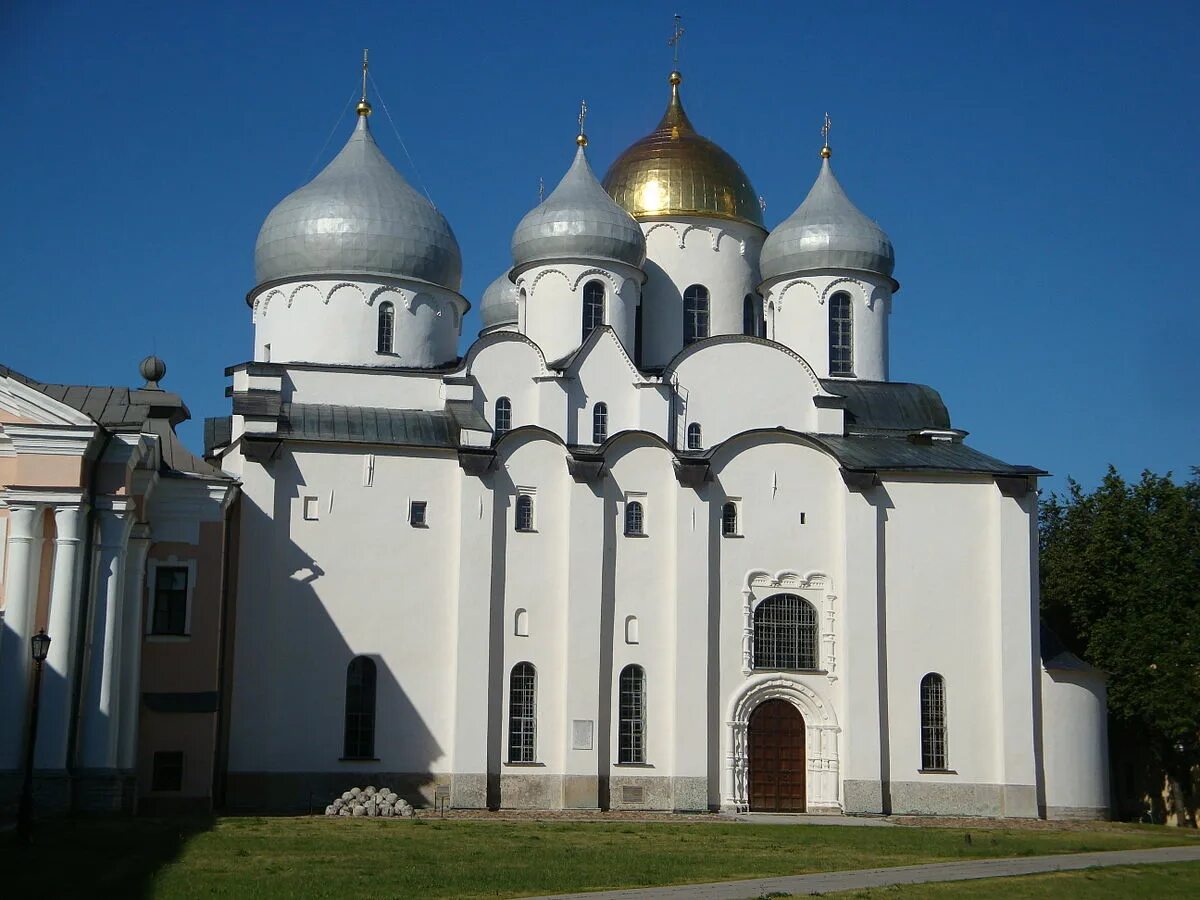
x: 828, y: 882
x: 812, y: 819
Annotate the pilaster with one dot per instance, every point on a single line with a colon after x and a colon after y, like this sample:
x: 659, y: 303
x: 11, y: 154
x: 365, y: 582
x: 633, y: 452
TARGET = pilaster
x: 21, y: 589
x: 132, y: 617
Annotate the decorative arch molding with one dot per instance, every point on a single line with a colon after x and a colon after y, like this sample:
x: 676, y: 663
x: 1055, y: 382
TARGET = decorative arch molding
x: 261, y: 303
x: 864, y: 288
x: 616, y: 282
x: 821, y: 740
x: 298, y: 288
x: 542, y: 274
x: 716, y: 339
x: 878, y: 293
x: 777, y: 296
x: 679, y: 235
x: 405, y: 297
x: 816, y: 588
x: 346, y: 284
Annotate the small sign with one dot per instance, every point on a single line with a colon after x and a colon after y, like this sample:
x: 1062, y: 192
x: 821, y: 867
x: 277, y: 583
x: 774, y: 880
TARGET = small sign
x: 581, y: 734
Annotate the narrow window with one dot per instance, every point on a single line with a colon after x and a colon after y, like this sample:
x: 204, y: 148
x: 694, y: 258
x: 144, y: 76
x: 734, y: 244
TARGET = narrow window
x: 266, y: 352
x: 729, y: 520
x: 170, y: 600
x: 387, y: 327
x: 599, y: 423
x: 749, y: 317
x: 593, y: 307
x: 359, y: 740
x: 416, y: 514
x: 695, y: 439
x: 631, y: 630
x: 311, y: 509
x: 503, y: 416
x: 841, y: 335
x: 933, y: 722
x: 521, y: 623
x: 695, y: 314
x: 635, y: 521
x: 524, y: 521
x: 631, y: 740
x: 522, y: 714
x: 785, y: 633
x: 168, y: 771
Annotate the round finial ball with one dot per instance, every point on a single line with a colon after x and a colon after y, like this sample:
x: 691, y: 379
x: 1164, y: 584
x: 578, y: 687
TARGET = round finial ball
x: 581, y: 140
x: 675, y: 78
x: 153, y: 369
x: 826, y: 153
x: 363, y: 108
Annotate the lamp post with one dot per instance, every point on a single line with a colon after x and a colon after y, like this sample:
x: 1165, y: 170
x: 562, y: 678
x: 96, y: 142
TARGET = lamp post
x: 39, y: 645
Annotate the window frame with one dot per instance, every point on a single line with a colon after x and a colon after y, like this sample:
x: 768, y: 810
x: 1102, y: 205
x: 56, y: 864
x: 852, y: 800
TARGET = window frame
x: 631, y: 716
x: 635, y: 527
x: 385, y: 329
x: 736, y: 531
x: 370, y: 690
x: 694, y: 430
x: 697, y: 309
x: 418, y: 513
x: 807, y: 640
x: 525, y: 715
x: 525, y: 496
x: 506, y: 409
x: 152, y: 598
x: 590, y: 307
x: 599, y: 423
x: 935, y: 742
x: 841, y: 336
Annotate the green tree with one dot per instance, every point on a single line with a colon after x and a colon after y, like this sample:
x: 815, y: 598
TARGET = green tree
x: 1120, y: 578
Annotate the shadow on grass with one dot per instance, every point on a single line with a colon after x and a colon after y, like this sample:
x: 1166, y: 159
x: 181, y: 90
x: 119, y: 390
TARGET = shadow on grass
x: 94, y: 857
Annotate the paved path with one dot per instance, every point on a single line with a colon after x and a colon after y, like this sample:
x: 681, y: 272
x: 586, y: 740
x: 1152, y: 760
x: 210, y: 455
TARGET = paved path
x: 827, y: 882
x: 813, y: 819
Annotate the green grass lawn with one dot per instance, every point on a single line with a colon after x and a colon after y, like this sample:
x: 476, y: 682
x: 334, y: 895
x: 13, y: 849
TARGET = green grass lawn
x: 318, y: 857
x: 1118, y: 883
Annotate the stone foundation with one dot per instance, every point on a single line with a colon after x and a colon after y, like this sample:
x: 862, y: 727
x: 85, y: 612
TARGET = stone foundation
x: 530, y: 791
x: 302, y: 792
x: 1078, y: 813
x: 862, y: 797
x: 943, y: 798
x: 104, y: 791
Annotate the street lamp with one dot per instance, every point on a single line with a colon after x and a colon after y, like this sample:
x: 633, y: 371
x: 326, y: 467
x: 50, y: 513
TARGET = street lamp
x: 39, y: 646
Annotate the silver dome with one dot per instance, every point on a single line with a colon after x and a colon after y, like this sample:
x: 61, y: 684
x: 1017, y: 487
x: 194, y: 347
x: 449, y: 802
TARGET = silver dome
x: 499, y: 303
x: 579, y: 220
x: 826, y: 232
x: 358, y: 217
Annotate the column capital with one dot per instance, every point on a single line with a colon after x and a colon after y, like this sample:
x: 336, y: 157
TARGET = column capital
x: 68, y: 522
x: 25, y: 522
x: 116, y: 519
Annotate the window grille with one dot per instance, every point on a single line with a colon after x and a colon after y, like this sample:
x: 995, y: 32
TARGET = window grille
x: 749, y: 317
x: 168, y: 771
x: 387, y: 327
x: 599, y: 423
x: 360, y: 709
x: 729, y: 520
x: 416, y: 514
x: 933, y: 722
x: 524, y: 513
x: 841, y: 335
x: 522, y: 714
x: 695, y: 314
x: 631, y: 739
x: 785, y: 633
x: 634, y: 518
x: 503, y: 416
x: 593, y: 307
x: 695, y: 440
x: 170, y: 600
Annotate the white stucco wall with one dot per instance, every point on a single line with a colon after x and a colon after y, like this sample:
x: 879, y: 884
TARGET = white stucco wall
x: 1075, y: 743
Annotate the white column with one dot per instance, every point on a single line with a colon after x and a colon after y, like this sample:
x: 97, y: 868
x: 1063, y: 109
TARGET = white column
x: 54, y: 717
x: 692, y: 733
x: 131, y: 645
x: 102, y: 691
x: 20, y: 591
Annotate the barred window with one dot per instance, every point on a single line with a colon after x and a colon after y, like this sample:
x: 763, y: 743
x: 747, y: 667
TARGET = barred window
x: 503, y: 416
x: 841, y: 335
x: 360, y: 709
x: 635, y: 520
x: 631, y: 737
x: 599, y: 423
x: 593, y: 307
x: 933, y: 722
x: 785, y: 633
x: 695, y: 314
x: 524, y: 520
x: 522, y: 714
x: 729, y: 520
x: 170, y: 600
x: 387, y: 327
x: 695, y: 440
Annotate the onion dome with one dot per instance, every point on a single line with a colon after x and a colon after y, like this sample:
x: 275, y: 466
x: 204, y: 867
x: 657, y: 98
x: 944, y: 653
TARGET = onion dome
x: 826, y: 232
x: 358, y: 217
x: 675, y: 171
x: 578, y: 221
x: 499, y: 303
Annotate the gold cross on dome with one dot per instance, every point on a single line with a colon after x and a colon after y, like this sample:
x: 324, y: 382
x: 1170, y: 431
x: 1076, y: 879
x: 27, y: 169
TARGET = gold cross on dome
x: 674, y: 39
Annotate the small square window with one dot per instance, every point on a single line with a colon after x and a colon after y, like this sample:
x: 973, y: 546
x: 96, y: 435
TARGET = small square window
x: 168, y: 771
x: 416, y: 514
x: 311, y: 509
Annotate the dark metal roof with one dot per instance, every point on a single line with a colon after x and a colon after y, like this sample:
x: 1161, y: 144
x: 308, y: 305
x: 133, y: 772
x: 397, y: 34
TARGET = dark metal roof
x: 218, y: 432
x: 860, y: 452
x: 366, y: 425
x: 889, y: 406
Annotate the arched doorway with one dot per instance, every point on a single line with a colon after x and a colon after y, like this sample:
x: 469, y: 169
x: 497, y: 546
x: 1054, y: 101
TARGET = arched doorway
x: 777, y: 765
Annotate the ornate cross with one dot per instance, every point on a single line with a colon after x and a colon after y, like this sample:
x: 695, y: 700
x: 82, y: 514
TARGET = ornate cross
x: 582, y: 114
x: 825, y: 129
x: 364, y: 90
x: 541, y: 189
x: 674, y: 40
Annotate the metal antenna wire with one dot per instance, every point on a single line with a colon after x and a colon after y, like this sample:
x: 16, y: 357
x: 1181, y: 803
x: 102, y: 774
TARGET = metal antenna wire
x: 396, y: 131
x: 336, y: 122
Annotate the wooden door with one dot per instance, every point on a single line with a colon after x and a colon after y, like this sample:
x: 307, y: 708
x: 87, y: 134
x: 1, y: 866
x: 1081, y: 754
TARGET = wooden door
x: 777, y: 763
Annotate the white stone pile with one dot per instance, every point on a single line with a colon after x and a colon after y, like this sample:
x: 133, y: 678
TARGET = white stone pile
x: 370, y: 801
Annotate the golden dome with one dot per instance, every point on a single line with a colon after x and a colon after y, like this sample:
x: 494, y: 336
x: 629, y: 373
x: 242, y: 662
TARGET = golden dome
x: 675, y: 171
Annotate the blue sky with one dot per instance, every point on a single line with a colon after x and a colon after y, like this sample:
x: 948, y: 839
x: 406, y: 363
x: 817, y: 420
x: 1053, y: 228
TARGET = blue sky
x: 1034, y: 163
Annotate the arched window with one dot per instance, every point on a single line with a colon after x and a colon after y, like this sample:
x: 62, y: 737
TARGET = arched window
x: 521, y: 623
x: 635, y: 520
x: 729, y: 520
x: 785, y: 633
x: 359, y: 742
x: 593, y: 307
x: 749, y: 316
x: 522, y: 714
x: 503, y: 416
x: 841, y: 335
x: 769, y: 325
x: 599, y: 423
x: 695, y: 439
x: 631, y: 737
x: 387, y: 328
x: 933, y: 722
x: 695, y: 314
x: 524, y: 520
x: 631, y: 630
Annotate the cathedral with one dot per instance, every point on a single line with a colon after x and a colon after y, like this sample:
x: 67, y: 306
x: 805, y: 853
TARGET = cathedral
x: 666, y: 537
